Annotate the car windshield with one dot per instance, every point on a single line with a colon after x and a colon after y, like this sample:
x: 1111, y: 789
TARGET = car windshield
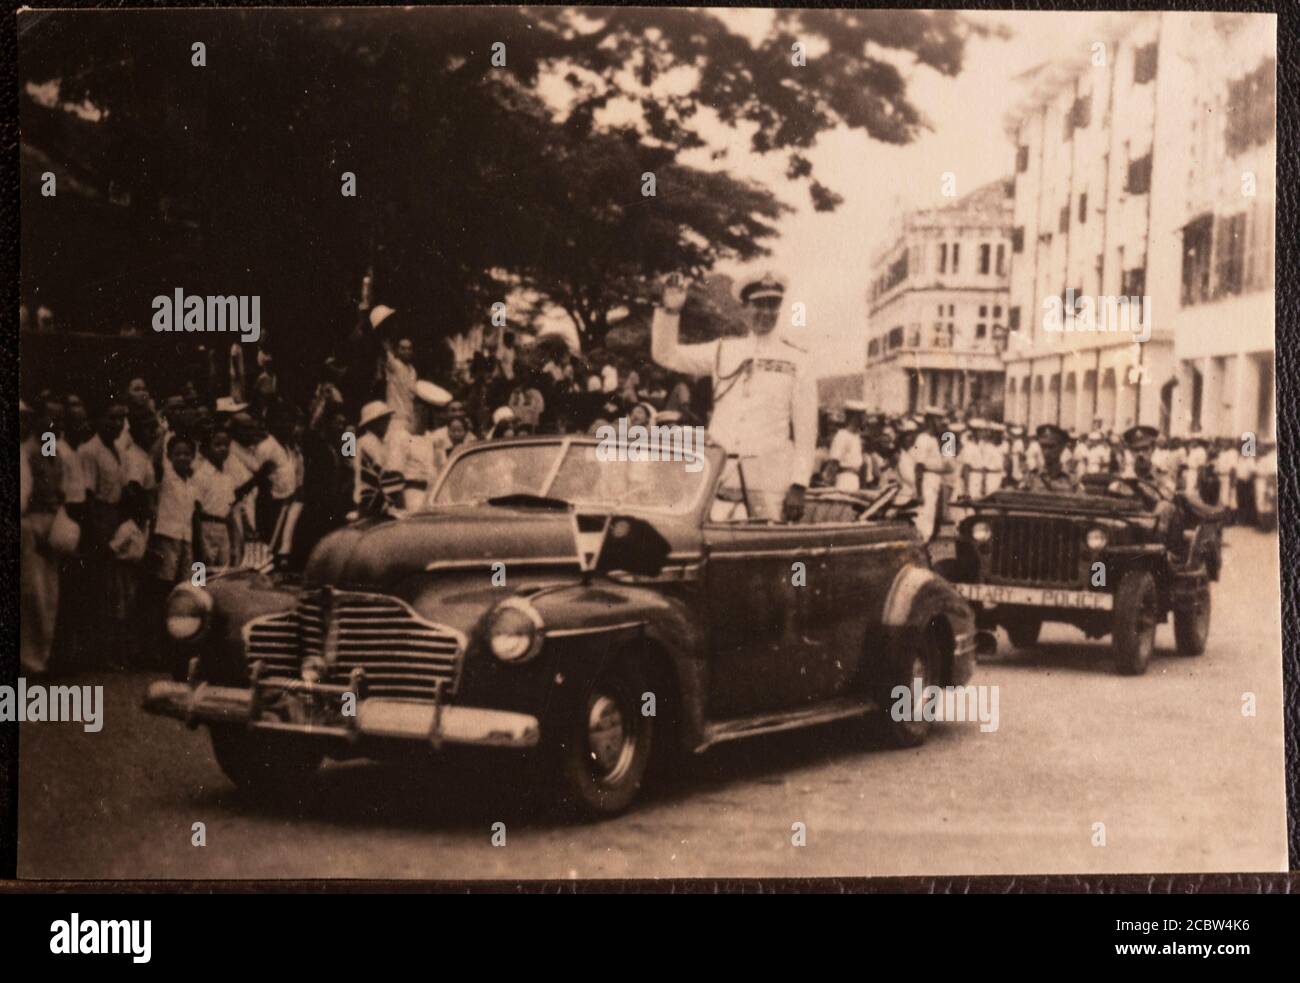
x: 580, y: 474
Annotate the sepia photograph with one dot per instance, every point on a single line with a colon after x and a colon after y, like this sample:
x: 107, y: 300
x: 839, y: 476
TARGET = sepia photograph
x: 515, y: 443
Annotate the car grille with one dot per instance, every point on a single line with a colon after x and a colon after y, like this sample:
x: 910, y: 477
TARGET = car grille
x: 1035, y: 550
x: 401, y: 654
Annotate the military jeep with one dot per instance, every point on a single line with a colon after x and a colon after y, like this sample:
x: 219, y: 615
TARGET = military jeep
x: 1105, y: 558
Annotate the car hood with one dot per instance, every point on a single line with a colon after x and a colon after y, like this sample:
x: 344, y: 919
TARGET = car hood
x: 377, y: 553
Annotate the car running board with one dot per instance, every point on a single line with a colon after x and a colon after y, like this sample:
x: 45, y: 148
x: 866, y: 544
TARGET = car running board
x: 719, y: 731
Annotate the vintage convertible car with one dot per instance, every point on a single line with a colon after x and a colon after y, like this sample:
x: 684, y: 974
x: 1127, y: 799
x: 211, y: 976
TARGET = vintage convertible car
x: 598, y: 614
x: 1102, y: 559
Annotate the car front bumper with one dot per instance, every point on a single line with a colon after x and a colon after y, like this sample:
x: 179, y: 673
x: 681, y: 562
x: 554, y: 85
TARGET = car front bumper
x: 296, y: 710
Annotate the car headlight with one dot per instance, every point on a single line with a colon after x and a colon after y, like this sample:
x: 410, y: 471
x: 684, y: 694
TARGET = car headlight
x: 515, y: 631
x: 1097, y: 539
x: 981, y: 532
x: 188, y: 611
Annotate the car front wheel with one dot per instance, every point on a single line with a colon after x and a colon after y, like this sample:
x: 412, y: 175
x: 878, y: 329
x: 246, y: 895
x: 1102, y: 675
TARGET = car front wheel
x: 1134, y: 625
x: 1192, y: 625
x: 602, y: 743
x: 1023, y: 630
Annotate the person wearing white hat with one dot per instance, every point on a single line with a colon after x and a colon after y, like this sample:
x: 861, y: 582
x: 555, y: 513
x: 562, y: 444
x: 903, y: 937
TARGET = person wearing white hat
x: 399, y: 372
x: 997, y: 456
x: 1096, y: 454
x: 764, y: 396
x: 378, y: 486
x: 971, y: 457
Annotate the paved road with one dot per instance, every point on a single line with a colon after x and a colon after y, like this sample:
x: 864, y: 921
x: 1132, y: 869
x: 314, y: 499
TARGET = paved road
x: 1167, y: 761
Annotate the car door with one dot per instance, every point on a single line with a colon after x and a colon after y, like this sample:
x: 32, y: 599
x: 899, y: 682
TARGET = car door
x: 760, y: 607
x: 858, y: 570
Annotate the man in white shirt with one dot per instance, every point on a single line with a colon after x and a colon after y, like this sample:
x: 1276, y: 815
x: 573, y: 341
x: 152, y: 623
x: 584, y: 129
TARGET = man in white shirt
x: 846, y: 452
x: 1096, y: 455
x: 764, y: 396
x: 1225, y: 466
x: 279, y: 458
x: 1197, y: 458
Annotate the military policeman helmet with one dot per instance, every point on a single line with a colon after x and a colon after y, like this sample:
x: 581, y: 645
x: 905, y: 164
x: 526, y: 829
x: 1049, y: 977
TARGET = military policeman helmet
x: 1140, y: 438
x: 767, y: 286
x: 976, y: 423
x: 1051, y: 434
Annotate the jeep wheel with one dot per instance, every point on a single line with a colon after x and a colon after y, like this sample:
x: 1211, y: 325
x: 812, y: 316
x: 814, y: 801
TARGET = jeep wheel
x: 915, y: 672
x: 1192, y: 625
x: 1134, y: 622
x: 1023, y: 630
x: 268, y: 766
x: 602, y: 743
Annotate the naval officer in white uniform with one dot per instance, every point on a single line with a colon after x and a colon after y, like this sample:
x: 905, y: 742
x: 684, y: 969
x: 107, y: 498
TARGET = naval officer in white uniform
x: 764, y: 395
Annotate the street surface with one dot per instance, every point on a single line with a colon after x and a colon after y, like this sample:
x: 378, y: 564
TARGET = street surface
x: 1167, y: 761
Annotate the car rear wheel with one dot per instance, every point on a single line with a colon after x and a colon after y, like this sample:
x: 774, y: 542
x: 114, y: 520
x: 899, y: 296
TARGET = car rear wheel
x: 1134, y: 625
x: 1023, y: 630
x: 602, y: 743
x: 269, y: 766
x: 1192, y: 625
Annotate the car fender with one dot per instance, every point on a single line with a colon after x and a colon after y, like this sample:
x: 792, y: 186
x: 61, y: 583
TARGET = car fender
x: 916, y: 596
x: 584, y: 623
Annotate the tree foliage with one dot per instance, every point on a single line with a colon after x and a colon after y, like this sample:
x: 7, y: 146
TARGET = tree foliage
x: 472, y: 178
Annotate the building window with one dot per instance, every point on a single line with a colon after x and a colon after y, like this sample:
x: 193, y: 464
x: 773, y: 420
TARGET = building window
x: 986, y: 258
x: 951, y: 309
x: 895, y: 338
x: 1083, y: 207
x: 1229, y: 253
x: 1013, y: 319
x: 1081, y: 112
x: 943, y: 257
x: 1022, y: 160
x: 1252, y: 106
x: 1145, y: 60
x: 1063, y: 220
x: 1018, y: 239
x: 956, y: 255
x: 984, y: 310
x: 873, y: 348
x: 1139, y: 175
x: 981, y: 330
x: 1002, y: 259
x: 997, y: 310
x: 1198, y: 236
x: 1133, y: 283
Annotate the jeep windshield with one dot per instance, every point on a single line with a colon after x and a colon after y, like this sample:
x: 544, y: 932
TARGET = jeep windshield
x: 577, y: 473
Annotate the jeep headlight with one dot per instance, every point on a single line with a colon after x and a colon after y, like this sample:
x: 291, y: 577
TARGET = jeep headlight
x: 981, y: 532
x: 514, y: 631
x: 1097, y: 538
x: 188, y: 611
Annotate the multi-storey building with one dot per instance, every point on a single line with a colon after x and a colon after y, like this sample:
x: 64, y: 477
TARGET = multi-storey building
x: 1223, y: 330
x: 938, y: 307
x: 1118, y: 164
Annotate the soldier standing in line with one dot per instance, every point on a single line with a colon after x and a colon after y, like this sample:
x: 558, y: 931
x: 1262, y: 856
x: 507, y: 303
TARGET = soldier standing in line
x: 931, y: 468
